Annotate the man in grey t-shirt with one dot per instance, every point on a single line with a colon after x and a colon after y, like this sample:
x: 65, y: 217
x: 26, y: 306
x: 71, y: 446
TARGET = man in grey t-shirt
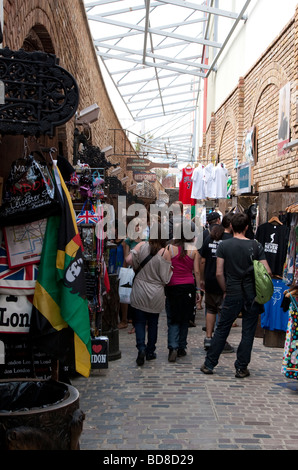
x: 234, y: 257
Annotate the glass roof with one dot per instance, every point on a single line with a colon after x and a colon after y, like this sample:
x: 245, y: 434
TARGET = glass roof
x: 155, y: 55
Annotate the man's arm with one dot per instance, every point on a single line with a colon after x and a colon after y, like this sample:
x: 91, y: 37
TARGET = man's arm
x: 265, y: 263
x: 220, y: 274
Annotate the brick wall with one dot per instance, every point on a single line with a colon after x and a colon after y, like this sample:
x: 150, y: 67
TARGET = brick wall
x: 255, y: 102
x: 65, y: 24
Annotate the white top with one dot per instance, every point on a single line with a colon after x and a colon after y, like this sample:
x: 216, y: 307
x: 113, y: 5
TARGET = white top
x: 221, y: 181
x: 198, y: 183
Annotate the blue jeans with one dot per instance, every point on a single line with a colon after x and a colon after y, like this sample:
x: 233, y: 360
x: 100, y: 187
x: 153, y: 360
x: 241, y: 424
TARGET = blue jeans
x: 177, y: 332
x: 231, y: 308
x: 141, y: 319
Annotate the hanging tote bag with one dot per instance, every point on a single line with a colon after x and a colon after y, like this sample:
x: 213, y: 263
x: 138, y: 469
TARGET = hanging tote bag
x: 87, y: 216
x: 30, y: 192
x: 126, y: 277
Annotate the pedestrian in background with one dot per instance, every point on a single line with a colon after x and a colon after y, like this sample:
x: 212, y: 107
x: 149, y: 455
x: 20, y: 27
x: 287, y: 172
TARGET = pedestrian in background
x: 208, y: 281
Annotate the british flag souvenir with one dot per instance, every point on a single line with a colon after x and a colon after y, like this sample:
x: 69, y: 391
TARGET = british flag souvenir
x: 18, y: 281
x: 88, y: 216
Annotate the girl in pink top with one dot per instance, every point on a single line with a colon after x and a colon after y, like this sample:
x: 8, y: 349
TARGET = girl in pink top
x: 181, y: 295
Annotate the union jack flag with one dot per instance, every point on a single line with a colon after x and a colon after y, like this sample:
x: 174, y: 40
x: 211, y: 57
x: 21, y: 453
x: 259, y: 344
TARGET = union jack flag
x: 18, y: 281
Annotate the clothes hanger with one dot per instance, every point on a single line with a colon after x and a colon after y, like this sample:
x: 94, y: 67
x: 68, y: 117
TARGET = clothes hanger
x: 275, y: 220
x: 188, y: 165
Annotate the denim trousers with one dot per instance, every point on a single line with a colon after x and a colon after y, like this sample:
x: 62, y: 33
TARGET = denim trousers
x: 231, y: 308
x: 141, y: 319
x: 177, y: 332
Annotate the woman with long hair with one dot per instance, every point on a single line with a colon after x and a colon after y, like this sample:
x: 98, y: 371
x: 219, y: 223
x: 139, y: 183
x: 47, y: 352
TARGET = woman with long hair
x: 152, y: 265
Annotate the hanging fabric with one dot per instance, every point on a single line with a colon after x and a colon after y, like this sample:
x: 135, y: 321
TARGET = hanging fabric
x: 290, y: 358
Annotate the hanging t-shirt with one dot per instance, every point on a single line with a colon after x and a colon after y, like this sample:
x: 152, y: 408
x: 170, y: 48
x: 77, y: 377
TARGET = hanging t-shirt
x: 185, y: 187
x: 198, y: 183
x: 210, y: 181
x: 274, y: 239
x: 221, y: 181
x: 274, y: 317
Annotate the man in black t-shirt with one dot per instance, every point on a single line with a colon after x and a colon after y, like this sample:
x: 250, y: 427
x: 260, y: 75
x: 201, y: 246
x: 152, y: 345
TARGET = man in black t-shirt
x: 233, y: 260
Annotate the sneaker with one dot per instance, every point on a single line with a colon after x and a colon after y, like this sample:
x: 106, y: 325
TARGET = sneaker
x: 181, y: 353
x: 172, y: 355
x: 241, y: 373
x: 150, y: 356
x: 228, y: 348
x: 141, y: 358
x: 205, y: 370
x: 207, y: 343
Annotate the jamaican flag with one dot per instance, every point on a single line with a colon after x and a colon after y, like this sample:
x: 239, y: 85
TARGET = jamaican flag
x: 60, y: 323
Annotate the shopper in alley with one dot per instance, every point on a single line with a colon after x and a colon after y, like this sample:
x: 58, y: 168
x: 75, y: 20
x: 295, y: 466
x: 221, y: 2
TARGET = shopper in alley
x: 233, y: 261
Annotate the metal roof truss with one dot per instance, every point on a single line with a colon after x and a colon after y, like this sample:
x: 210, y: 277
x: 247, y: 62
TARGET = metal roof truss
x: 155, y: 54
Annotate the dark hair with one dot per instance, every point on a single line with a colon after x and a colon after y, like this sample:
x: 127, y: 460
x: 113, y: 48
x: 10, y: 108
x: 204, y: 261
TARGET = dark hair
x: 217, y: 232
x: 239, y: 222
x: 156, y: 243
x: 227, y: 219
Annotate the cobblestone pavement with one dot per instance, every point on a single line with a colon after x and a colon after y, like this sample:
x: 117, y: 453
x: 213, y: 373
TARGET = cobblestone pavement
x: 175, y: 407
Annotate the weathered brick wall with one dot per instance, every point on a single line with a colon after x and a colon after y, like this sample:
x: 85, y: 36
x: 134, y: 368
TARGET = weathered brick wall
x: 255, y: 102
x: 66, y: 24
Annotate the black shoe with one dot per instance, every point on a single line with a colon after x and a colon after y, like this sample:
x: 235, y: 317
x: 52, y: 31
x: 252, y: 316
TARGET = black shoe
x: 205, y: 370
x: 241, y: 373
x: 181, y: 353
x: 172, y: 355
x: 228, y: 348
x: 141, y: 358
x: 151, y: 356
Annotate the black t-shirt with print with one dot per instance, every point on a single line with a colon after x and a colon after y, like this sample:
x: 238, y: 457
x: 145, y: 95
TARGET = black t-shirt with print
x: 237, y: 255
x: 274, y: 239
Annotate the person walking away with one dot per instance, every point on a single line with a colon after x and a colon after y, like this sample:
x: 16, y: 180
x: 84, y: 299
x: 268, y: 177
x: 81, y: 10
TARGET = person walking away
x: 208, y: 281
x: 234, y: 258
x: 181, y: 294
x: 127, y: 312
x: 152, y: 264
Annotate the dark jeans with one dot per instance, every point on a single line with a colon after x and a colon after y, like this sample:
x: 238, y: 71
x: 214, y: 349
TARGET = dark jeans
x: 231, y: 308
x: 177, y: 332
x: 141, y: 319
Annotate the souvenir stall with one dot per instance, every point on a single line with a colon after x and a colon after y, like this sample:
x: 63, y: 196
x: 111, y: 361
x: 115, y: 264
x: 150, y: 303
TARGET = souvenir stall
x: 90, y: 187
x: 36, y: 219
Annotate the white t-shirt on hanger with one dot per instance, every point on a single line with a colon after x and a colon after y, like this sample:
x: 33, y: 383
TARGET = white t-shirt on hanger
x: 210, y: 181
x: 221, y: 181
x: 198, y: 183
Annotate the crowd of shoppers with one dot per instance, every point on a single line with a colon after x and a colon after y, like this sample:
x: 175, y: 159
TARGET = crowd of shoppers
x: 170, y: 274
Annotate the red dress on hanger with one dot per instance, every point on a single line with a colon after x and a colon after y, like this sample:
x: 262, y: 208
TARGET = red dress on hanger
x: 185, y: 187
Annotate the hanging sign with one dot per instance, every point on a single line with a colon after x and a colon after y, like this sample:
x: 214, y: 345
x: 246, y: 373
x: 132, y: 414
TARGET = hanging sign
x: 143, y: 164
x: 100, y: 349
x: 244, y: 178
x: 39, y: 95
x: 140, y: 176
